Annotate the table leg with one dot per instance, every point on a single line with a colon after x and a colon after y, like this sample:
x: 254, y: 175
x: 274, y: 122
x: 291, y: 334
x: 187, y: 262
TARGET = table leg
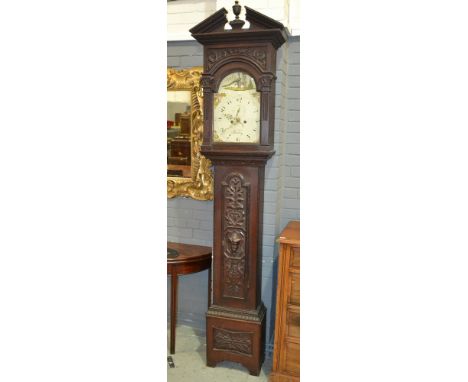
x: 174, y: 282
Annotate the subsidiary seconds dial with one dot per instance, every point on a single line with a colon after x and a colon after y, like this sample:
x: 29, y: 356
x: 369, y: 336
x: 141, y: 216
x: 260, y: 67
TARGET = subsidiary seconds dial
x: 237, y: 110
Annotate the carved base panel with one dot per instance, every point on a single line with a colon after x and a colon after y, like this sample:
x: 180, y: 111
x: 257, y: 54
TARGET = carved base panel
x: 236, y: 337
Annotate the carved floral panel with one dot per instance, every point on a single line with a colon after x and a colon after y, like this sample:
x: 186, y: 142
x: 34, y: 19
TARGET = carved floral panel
x: 234, y: 246
x: 240, y: 342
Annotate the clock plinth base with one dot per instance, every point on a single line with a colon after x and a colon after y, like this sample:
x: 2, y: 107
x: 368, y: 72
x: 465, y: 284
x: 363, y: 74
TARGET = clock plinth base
x: 236, y: 335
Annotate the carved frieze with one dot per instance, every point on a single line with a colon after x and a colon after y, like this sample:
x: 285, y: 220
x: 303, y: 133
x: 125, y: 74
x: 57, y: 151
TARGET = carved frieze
x: 240, y: 342
x: 256, y: 315
x: 257, y: 54
x: 235, y: 192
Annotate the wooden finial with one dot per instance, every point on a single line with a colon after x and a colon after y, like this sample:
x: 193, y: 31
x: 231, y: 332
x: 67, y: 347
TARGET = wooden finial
x: 237, y: 23
x: 236, y: 8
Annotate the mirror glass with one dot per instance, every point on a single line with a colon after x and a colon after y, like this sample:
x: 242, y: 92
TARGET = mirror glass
x: 179, y: 133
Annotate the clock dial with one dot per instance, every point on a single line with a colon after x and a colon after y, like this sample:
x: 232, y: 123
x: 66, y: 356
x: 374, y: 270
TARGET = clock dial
x: 237, y: 110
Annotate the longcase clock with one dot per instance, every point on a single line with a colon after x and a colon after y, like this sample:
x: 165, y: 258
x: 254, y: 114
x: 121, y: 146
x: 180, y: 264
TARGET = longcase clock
x: 238, y: 82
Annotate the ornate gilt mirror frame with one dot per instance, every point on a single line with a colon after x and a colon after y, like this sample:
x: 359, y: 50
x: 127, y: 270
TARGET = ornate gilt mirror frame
x: 200, y: 185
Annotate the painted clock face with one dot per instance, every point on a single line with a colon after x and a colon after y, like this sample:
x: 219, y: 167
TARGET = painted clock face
x: 236, y: 116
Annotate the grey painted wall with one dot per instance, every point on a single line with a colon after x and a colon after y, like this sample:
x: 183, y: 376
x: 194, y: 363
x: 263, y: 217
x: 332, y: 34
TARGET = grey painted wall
x: 191, y: 221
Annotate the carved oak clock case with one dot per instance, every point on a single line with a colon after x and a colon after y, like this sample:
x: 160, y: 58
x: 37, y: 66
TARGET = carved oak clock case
x: 239, y: 93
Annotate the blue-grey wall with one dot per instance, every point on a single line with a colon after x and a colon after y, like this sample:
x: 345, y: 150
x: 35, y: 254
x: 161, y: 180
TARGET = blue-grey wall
x: 191, y: 221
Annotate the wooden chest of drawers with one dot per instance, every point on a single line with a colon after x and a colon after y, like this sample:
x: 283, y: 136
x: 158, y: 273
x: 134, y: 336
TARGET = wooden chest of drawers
x: 286, y: 354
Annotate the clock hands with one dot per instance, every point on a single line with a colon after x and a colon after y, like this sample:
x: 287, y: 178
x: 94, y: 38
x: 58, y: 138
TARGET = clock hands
x: 230, y: 115
x: 236, y: 120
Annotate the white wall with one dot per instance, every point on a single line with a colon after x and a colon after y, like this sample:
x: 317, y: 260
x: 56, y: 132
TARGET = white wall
x: 184, y: 14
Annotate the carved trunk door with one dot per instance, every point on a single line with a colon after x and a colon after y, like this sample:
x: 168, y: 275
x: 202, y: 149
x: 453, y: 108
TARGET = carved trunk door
x: 234, y: 226
x: 235, y: 254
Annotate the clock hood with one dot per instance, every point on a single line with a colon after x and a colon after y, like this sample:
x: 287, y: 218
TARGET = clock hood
x: 262, y: 28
